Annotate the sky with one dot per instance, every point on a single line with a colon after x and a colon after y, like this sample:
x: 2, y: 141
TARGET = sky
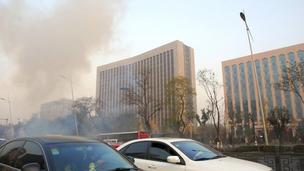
x: 213, y: 28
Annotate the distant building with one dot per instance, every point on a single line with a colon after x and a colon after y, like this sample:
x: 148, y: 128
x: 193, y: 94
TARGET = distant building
x: 55, y: 109
x: 165, y: 63
x: 240, y: 89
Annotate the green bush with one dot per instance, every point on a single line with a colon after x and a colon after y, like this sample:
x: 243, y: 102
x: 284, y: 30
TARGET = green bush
x: 246, y: 149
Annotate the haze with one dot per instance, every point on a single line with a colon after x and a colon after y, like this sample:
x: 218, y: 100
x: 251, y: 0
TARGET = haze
x: 41, y: 40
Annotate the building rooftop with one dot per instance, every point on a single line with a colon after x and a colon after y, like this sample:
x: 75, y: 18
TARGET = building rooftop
x: 269, y: 53
x: 141, y: 56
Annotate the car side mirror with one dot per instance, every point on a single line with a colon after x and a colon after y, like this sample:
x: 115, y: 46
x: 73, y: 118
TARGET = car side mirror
x: 31, y: 167
x: 173, y: 159
x: 131, y: 159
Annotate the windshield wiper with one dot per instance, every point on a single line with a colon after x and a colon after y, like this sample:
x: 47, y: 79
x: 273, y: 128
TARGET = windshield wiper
x: 216, y: 157
x: 205, y: 158
x: 123, y: 169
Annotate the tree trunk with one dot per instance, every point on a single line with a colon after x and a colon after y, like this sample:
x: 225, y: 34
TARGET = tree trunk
x: 148, y: 126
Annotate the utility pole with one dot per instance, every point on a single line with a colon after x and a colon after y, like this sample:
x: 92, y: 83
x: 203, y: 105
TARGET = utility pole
x: 72, y: 93
x: 255, y: 76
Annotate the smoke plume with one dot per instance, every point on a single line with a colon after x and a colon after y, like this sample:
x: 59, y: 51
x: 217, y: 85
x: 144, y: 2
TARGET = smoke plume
x: 43, y: 41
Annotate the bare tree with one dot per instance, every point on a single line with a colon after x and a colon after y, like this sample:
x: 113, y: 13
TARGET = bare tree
x: 211, y: 86
x: 85, y: 106
x: 279, y: 118
x: 292, y: 79
x: 205, y: 116
x: 179, y: 93
x: 84, y: 109
x: 251, y: 119
x: 140, y: 96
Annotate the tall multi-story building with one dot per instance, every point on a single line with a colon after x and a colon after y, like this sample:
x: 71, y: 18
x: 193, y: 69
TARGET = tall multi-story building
x: 165, y: 62
x: 241, y: 91
x: 55, y: 109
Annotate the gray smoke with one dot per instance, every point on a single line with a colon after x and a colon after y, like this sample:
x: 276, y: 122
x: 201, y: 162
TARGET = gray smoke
x: 43, y: 43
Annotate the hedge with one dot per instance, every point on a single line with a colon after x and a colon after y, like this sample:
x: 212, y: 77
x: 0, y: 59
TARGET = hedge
x: 268, y: 149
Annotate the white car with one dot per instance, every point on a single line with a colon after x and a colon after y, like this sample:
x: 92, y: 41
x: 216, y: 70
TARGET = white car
x: 175, y: 154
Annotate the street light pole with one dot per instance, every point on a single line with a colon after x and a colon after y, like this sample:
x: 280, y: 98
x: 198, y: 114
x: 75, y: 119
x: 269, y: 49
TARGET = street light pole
x: 72, y: 93
x: 255, y: 76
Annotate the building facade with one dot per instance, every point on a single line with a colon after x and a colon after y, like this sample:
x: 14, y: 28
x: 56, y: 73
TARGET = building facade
x: 56, y: 109
x: 240, y: 89
x: 165, y: 62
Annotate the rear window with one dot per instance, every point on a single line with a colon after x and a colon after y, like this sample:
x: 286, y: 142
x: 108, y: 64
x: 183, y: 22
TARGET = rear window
x: 86, y: 156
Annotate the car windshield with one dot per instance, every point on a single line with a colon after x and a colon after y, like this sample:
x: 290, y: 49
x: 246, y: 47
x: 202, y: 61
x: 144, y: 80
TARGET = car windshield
x: 197, y: 151
x: 87, y: 157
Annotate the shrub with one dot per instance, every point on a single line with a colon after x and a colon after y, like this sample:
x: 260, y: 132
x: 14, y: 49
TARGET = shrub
x: 298, y: 149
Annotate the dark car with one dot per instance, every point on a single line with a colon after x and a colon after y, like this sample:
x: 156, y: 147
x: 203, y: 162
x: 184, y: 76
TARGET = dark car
x: 61, y: 153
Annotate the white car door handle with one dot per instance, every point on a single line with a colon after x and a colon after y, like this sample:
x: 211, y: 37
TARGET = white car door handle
x: 151, y: 166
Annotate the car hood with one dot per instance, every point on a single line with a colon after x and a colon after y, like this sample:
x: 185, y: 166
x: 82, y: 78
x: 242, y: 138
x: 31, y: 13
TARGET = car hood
x: 229, y: 164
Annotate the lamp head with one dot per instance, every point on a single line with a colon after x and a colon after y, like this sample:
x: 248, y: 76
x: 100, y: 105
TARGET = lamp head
x: 242, y: 15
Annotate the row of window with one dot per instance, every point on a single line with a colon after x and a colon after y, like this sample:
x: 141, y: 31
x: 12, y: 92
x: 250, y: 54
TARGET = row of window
x: 188, y: 67
x: 116, y: 81
x: 239, y: 78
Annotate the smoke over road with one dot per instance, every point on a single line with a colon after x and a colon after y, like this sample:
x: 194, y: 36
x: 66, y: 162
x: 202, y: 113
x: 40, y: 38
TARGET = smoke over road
x: 42, y: 43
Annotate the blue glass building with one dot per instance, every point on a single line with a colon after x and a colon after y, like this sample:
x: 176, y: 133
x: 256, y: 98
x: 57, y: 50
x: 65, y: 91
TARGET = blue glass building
x: 240, y: 87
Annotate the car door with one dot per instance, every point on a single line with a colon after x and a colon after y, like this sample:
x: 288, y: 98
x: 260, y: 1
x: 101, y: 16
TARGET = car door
x: 9, y: 154
x: 138, y: 151
x: 157, y: 155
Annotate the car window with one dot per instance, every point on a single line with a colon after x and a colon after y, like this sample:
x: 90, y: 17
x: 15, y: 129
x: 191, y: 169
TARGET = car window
x: 11, y: 152
x: 160, y: 151
x: 137, y: 150
x: 86, y: 157
x: 197, y: 151
x: 32, y: 154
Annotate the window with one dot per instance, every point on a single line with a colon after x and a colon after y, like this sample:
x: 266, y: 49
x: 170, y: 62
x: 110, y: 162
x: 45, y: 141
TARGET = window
x: 244, y: 89
x: 267, y: 82
x: 85, y: 157
x: 137, y: 150
x: 251, y: 85
x: 160, y: 151
x: 282, y: 59
x: 236, y: 88
x: 11, y: 152
x: 260, y: 81
x: 32, y: 154
x: 276, y: 79
x: 301, y: 55
x: 297, y: 99
x: 197, y: 151
x: 228, y: 89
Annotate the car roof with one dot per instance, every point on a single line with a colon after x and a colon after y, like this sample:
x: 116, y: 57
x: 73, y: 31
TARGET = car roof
x: 161, y: 139
x: 50, y: 139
